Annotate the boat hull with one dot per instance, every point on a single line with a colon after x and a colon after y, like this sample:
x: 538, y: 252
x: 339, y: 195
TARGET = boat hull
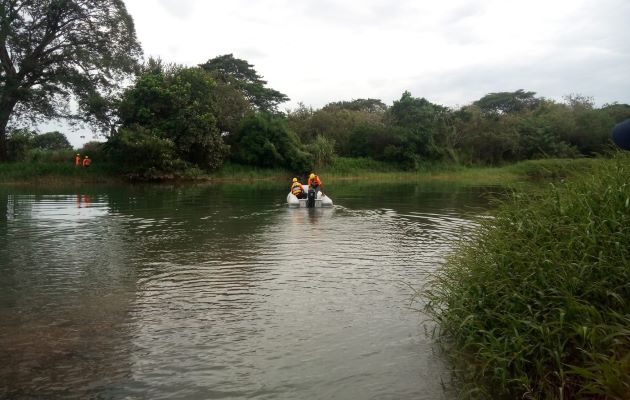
x: 321, y: 201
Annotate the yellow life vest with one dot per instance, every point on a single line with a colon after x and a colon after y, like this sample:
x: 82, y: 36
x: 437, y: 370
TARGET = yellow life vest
x: 296, y: 188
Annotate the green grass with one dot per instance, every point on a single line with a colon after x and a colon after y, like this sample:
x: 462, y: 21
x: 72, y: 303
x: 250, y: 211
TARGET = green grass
x: 48, y: 170
x: 54, y: 172
x: 536, y: 304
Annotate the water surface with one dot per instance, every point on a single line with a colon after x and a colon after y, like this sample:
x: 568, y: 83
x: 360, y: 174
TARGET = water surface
x: 221, y: 291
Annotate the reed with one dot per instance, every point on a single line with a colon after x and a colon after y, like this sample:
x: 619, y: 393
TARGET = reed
x: 535, y: 304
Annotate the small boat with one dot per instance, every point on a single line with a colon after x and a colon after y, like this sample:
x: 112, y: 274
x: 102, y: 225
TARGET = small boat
x: 314, y: 199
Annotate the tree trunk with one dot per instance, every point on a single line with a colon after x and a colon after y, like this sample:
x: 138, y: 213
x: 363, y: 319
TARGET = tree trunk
x: 6, y: 108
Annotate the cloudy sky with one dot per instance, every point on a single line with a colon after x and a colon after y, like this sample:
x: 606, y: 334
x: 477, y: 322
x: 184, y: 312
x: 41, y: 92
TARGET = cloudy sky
x: 451, y: 52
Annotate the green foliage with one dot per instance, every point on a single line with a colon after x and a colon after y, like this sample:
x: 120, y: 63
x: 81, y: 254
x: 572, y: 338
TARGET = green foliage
x: 52, y: 141
x: 240, y: 74
x: 373, y: 106
x: 415, y: 113
x: 38, y: 155
x: 535, y: 303
x: 507, y: 102
x: 142, y: 152
x: 592, y: 131
x: 265, y: 140
x: 618, y: 112
x: 95, y: 150
x: 19, y: 142
x: 177, y: 105
x: 554, y: 169
x: 323, y: 151
x: 385, y: 143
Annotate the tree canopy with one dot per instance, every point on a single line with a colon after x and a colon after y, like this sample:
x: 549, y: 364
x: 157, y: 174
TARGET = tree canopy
x: 507, y: 102
x: 240, y: 74
x: 176, y: 105
x: 51, y: 50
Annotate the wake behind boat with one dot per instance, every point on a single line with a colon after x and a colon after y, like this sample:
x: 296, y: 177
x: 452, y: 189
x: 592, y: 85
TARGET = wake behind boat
x: 313, y: 199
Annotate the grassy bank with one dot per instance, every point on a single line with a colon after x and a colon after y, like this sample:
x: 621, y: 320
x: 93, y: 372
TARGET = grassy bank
x: 343, y: 168
x: 53, y: 173
x: 536, y: 305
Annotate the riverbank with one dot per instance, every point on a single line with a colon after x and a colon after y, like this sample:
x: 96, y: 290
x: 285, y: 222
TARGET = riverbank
x: 43, y: 173
x: 536, y: 303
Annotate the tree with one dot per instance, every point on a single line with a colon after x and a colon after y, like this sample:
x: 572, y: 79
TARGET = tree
x: 176, y: 105
x: 422, y: 117
x: 365, y: 105
x: 51, y: 50
x: 266, y: 141
x: 19, y: 142
x: 507, y: 102
x: 618, y: 112
x: 52, y: 141
x: 241, y: 75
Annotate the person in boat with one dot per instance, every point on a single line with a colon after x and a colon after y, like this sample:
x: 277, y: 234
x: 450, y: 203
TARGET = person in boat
x: 314, y: 182
x: 297, y: 190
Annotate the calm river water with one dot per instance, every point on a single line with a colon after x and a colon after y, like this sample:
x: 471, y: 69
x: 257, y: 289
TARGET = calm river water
x: 221, y: 291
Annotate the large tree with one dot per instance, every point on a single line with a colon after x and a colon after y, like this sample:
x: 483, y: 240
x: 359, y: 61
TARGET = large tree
x: 51, y: 50
x: 507, y: 102
x: 175, y: 104
x: 242, y: 76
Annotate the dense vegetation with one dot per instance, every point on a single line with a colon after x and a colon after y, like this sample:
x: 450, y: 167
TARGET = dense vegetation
x: 175, y: 119
x: 537, y: 304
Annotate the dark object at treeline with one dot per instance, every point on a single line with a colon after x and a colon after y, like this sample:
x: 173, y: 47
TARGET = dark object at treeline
x: 621, y: 134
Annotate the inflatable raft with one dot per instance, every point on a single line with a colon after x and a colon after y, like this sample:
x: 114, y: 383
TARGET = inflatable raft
x: 314, y: 199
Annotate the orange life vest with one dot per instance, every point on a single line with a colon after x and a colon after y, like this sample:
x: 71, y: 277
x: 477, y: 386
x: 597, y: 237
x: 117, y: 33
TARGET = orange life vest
x: 314, y: 182
x: 87, y: 162
x: 77, y: 160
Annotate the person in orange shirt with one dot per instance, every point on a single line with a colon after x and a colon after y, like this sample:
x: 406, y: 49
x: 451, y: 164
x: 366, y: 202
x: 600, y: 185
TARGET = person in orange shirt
x: 77, y: 160
x: 314, y: 181
x: 87, y: 161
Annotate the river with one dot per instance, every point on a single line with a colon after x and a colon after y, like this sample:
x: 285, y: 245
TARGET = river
x: 219, y: 291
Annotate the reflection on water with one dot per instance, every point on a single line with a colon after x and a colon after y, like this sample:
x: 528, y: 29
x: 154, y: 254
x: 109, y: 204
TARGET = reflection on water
x: 220, y: 291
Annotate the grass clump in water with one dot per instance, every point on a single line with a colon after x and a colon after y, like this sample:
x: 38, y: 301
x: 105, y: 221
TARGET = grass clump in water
x: 537, y: 304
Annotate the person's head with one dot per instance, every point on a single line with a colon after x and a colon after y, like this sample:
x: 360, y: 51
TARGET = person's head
x: 78, y: 154
x: 294, y: 179
x: 86, y: 156
x: 312, y: 175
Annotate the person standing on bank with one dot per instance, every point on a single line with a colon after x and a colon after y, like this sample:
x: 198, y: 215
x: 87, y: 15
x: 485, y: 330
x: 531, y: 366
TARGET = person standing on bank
x: 87, y: 162
x: 77, y: 160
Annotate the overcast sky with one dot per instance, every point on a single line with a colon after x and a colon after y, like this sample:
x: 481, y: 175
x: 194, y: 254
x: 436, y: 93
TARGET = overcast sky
x: 452, y: 52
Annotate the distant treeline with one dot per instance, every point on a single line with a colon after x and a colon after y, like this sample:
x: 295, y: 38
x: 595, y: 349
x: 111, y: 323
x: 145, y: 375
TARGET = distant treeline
x: 174, y: 118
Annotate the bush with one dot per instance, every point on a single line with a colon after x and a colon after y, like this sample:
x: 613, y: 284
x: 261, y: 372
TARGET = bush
x: 323, y: 151
x: 19, y: 142
x: 140, y: 151
x: 54, y: 156
x: 537, y: 304
x: 265, y: 141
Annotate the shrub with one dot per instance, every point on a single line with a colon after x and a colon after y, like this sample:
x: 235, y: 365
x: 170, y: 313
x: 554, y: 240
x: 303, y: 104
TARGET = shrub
x: 140, y: 151
x: 265, y: 141
x: 537, y: 304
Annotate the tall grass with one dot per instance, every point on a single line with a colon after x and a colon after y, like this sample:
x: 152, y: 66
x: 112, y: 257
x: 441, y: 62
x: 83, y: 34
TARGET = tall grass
x: 42, y: 166
x: 536, y: 304
x: 54, y: 172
